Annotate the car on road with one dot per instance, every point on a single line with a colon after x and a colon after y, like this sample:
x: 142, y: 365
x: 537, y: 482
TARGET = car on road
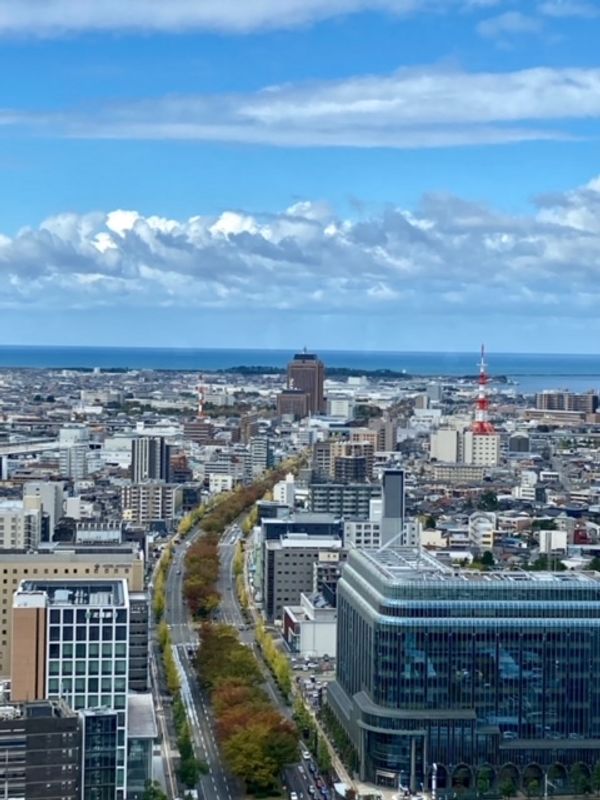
x: 293, y: 796
x: 178, y: 572
x: 306, y: 755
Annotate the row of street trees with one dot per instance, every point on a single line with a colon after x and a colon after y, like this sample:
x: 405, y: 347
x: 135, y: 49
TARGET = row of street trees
x: 202, y: 558
x: 310, y: 733
x: 160, y: 583
x: 257, y: 741
x: 201, y: 574
x: 276, y: 660
x: 189, y: 767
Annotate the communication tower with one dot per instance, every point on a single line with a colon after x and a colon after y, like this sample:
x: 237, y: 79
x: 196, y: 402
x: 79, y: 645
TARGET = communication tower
x: 482, y: 425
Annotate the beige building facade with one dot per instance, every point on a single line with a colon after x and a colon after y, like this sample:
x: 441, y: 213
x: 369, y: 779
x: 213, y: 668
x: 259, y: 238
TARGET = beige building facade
x: 15, y: 567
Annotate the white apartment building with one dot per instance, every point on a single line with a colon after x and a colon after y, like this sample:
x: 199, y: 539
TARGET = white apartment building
x: 73, y: 461
x: 48, y: 496
x: 117, y: 450
x: 553, y: 540
x: 143, y: 503
x: 445, y: 445
x: 362, y: 533
x: 20, y: 527
x: 284, y: 491
x: 76, y: 508
x: 73, y: 434
x: 340, y: 407
x: 220, y: 483
x: 481, y: 528
x: 481, y: 449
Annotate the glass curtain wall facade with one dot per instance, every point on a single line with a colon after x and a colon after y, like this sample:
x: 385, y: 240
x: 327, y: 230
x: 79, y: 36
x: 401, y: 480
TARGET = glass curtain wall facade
x: 493, y: 673
x: 100, y: 733
x: 87, y: 662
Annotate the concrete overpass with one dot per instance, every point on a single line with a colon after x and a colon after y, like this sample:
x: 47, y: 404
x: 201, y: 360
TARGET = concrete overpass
x: 22, y: 448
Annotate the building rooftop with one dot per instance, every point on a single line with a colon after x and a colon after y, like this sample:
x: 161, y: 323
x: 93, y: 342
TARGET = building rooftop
x: 75, y: 593
x: 35, y: 709
x: 304, y: 518
x: 300, y: 540
x: 409, y: 565
x: 106, y: 556
x: 141, y: 719
x: 11, y: 505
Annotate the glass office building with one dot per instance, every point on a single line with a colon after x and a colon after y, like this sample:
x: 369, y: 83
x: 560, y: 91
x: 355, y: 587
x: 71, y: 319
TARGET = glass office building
x: 493, y: 677
x: 73, y: 637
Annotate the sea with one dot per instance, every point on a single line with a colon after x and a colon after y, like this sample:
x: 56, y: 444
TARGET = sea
x: 530, y: 372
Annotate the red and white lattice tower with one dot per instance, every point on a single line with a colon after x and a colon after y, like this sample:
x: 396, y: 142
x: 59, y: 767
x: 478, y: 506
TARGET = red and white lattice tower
x: 482, y: 425
x: 200, y: 401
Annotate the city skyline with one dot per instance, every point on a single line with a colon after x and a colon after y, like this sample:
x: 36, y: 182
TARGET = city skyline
x: 384, y: 173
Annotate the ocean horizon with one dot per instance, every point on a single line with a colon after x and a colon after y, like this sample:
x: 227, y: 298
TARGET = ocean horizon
x: 531, y: 371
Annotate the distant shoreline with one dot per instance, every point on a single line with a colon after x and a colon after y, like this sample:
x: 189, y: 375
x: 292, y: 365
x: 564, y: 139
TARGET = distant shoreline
x: 529, y: 372
x: 251, y: 370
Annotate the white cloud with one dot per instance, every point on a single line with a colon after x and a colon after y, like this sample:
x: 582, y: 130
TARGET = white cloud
x: 410, y: 108
x: 57, y: 17
x: 50, y: 18
x: 447, y: 255
x: 509, y: 24
x: 569, y: 8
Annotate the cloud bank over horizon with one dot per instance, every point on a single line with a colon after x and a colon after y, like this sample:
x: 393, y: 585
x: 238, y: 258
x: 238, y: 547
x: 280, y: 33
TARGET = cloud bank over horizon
x: 450, y: 256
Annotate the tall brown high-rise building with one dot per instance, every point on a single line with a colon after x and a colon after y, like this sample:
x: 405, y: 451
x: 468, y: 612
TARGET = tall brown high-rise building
x: 306, y: 373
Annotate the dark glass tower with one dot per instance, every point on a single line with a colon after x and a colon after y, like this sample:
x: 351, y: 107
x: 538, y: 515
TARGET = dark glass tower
x: 99, y: 754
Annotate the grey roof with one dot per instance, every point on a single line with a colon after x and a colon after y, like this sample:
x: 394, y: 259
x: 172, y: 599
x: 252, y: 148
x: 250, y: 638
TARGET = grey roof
x: 141, y: 720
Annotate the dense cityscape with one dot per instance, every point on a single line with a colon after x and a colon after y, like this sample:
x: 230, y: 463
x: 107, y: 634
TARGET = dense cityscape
x: 274, y: 524
x: 259, y: 582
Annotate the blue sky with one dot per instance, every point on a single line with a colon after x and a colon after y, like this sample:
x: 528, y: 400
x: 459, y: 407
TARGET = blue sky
x: 390, y: 174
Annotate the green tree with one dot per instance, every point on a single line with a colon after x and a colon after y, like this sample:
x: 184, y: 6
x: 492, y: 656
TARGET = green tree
x: 189, y: 771
x: 153, y: 791
x: 596, y: 778
x: 323, y: 757
x: 532, y: 787
x: 580, y: 782
x: 484, y: 781
x: 488, y: 501
x: 171, y: 671
x: 487, y: 559
x: 543, y: 525
x: 507, y: 788
x: 246, y: 757
x: 163, y: 635
x: 594, y: 564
